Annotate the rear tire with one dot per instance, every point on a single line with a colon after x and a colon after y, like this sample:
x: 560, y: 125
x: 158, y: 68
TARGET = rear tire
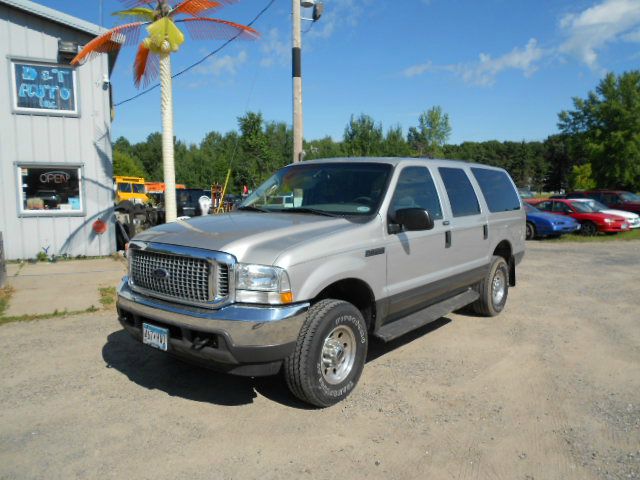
x: 493, y: 289
x: 531, y: 231
x: 329, y: 355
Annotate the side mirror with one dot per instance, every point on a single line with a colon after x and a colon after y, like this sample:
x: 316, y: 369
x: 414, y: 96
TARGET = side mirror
x: 414, y: 219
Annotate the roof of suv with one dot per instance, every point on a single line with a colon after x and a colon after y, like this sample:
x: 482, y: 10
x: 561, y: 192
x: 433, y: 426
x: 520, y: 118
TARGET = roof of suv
x: 398, y: 160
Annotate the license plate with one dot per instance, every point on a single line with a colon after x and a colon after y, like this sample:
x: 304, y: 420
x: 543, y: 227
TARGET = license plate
x: 155, y: 337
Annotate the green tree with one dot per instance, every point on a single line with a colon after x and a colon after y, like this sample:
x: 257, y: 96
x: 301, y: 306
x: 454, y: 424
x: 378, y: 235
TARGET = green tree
x: 607, y: 123
x: 557, y: 155
x: 580, y: 177
x: 432, y: 132
x: 323, y: 148
x: 126, y: 164
x: 363, y: 137
x: 395, y: 144
x: 256, y: 152
x: 150, y: 154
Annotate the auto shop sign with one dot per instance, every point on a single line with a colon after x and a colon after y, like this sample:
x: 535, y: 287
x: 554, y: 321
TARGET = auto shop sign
x: 44, y: 88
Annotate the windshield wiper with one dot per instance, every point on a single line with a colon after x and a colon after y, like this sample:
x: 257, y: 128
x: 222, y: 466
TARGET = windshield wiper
x: 253, y: 208
x: 315, y: 211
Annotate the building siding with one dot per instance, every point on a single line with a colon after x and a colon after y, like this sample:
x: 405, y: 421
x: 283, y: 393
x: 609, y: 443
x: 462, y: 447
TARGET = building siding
x: 43, y: 139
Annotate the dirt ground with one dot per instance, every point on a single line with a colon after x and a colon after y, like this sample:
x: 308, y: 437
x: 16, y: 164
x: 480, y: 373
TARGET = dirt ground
x: 550, y: 389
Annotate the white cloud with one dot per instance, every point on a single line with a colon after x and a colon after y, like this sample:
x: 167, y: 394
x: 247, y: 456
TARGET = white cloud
x: 419, y: 69
x: 275, y: 50
x: 226, y: 65
x: 486, y: 69
x: 592, y: 29
x: 338, y: 14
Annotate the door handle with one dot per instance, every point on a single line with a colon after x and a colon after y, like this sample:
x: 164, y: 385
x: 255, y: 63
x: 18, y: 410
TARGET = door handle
x: 485, y: 231
x: 446, y: 222
x: 447, y: 239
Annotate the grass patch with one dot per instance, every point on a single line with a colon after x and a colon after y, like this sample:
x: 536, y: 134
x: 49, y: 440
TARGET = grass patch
x: 107, y: 296
x: 618, y: 237
x: 46, y: 316
x: 5, y: 296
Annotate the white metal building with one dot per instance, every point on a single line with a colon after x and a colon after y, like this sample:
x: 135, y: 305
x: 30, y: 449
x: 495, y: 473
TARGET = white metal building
x: 55, y: 146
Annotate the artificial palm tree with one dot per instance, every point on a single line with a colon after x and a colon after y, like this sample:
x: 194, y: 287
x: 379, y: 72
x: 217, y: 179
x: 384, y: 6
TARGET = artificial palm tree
x: 153, y: 57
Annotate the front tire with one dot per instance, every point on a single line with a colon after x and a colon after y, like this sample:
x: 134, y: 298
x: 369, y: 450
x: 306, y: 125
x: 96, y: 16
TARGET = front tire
x: 531, y: 231
x: 329, y: 355
x: 493, y: 289
x: 589, y: 229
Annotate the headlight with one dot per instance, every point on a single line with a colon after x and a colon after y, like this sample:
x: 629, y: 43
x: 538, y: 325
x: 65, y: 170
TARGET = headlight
x: 608, y: 220
x: 262, y: 284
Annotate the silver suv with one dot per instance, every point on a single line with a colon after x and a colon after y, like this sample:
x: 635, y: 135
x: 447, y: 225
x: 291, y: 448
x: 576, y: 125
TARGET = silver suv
x: 365, y: 247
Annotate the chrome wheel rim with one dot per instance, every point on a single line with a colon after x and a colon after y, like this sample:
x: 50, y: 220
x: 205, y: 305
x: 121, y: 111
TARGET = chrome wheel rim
x: 338, y: 354
x: 498, y: 287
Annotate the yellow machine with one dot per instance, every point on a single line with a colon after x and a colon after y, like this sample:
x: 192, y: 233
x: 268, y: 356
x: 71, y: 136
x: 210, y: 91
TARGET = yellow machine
x: 130, y: 188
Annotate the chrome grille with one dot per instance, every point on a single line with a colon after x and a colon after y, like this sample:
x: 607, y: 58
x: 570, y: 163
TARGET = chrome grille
x: 187, y: 278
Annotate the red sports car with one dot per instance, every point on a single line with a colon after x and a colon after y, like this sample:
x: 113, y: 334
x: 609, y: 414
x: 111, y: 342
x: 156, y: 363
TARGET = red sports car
x: 592, y: 221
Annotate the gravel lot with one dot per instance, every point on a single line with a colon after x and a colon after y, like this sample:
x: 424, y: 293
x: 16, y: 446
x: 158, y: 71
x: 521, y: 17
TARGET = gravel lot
x: 550, y: 389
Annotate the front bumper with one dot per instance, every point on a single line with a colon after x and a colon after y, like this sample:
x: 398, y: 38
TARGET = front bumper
x: 613, y: 228
x: 544, y: 230
x: 241, y: 339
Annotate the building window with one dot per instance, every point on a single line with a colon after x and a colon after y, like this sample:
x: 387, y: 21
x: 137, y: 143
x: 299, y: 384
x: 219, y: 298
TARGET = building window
x: 50, y: 190
x: 41, y: 88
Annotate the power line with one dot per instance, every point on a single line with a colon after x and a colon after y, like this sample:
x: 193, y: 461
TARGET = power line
x: 255, y: 19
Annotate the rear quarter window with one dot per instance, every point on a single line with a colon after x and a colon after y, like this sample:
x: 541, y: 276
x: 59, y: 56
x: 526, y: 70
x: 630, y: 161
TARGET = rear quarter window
x: 461, y: 195
x: 497, y: 189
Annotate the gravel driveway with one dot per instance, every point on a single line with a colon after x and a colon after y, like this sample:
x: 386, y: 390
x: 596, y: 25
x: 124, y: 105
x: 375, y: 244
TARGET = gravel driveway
x: 550, y: 389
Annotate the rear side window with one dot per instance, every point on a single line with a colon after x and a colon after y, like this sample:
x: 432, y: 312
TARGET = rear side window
x: 497, y: 189
x: 461, y: 195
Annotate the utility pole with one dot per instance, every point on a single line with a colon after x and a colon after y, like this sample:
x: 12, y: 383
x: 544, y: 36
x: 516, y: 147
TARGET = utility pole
x: 296, y: 56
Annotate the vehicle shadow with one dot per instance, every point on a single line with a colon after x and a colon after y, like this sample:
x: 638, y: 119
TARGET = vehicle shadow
x: 378, y: 348
x: 156, y: 370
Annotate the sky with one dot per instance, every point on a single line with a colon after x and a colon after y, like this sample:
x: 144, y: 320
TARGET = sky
x: 501, y: 69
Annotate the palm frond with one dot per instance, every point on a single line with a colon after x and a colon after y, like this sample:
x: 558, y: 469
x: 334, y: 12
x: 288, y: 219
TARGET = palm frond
x: 110, y: 41
x: 205, y: 28
x: 194, y: 7
x: 140, y: 13
x: 137, y: 3
x: 146, y: 67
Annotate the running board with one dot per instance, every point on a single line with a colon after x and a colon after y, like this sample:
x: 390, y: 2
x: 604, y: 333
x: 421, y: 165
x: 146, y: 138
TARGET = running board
x: 404, y: 325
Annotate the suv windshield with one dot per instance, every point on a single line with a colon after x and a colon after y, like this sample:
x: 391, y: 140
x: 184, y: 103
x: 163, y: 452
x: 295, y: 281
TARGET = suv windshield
x: 630, y: 197
x: 323, y: 188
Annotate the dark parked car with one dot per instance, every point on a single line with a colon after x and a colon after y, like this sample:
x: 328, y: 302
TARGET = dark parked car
x: 187, y: 201
x: 616, y: 199
x: 544, y: 224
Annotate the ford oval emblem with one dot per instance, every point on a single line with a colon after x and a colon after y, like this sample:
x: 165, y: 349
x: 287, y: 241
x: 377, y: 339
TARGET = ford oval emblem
x: 160, y: 274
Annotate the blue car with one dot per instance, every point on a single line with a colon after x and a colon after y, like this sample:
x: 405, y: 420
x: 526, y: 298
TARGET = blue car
x: 543, y: 224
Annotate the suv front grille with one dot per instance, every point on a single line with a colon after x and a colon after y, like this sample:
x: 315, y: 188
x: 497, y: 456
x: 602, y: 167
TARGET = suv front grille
x: 178, y: 277
x: 223, y: 280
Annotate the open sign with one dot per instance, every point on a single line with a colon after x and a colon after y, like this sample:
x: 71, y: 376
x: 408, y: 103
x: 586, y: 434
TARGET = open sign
x: 55, y: 177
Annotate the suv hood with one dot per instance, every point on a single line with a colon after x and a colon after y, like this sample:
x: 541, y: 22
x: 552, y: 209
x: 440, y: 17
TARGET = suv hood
x: 251, y: 237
